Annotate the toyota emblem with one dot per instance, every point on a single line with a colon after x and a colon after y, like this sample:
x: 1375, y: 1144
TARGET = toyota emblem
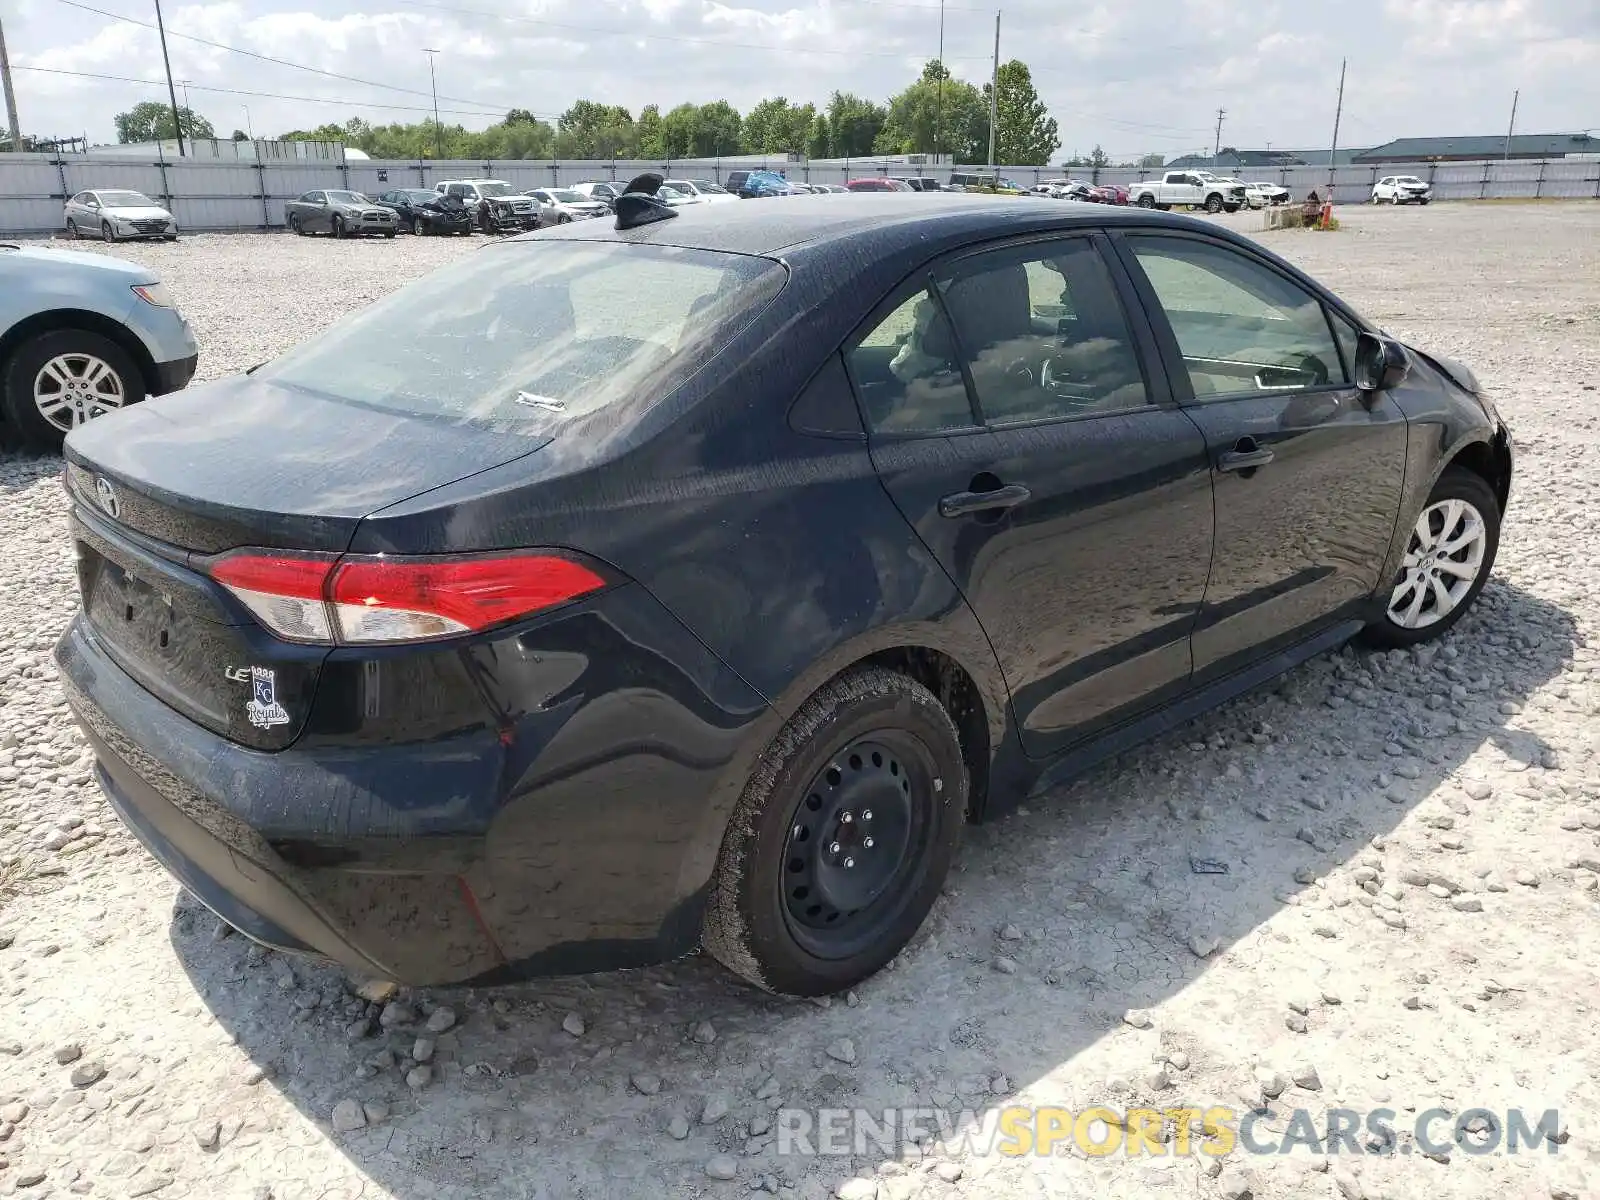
x: 106, y: 495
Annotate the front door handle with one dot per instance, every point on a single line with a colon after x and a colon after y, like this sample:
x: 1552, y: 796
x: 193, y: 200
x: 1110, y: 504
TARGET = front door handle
x: 1247, y: 454
x: 959, y: 504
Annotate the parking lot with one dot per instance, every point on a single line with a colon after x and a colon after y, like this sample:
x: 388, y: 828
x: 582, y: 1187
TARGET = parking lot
x: 1370, y: 887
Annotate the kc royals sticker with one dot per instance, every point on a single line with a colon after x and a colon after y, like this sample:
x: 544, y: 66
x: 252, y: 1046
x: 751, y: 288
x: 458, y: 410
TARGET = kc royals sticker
x: 263, y: 710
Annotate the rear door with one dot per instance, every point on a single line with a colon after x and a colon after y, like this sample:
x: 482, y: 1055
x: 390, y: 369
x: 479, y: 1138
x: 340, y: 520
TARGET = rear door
x: 1308, y: 470
x: 1017, y: 428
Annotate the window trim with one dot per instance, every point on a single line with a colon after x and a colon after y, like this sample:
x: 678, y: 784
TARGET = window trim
x: 1170, y: 351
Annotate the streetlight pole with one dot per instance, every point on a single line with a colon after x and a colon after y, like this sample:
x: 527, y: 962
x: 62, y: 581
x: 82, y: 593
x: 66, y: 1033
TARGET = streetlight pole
x: 247, y: 127
x: 438, y: 132
x: 172, y: 92
x: 11, y: 96
x: 938, y: 108
x: 994, y: 93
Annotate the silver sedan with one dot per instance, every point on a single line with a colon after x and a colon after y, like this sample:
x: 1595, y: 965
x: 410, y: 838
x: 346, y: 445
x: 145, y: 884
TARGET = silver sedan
x: 115, y: 215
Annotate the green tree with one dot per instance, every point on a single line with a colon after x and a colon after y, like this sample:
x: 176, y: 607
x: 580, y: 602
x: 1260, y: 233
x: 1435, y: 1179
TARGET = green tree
x: 652, y: 134
x: 520, y: 116
x: 701, y: 131
x: 819, y: 142
x: 777, y: 127
x: 240, y: 135
x: 937, y: 114
x: 592, y: 130
x: 151, y: 121
x: 1152, y: 160
x: 854, y: 125
x: 1025, y: 133
x: 1098, y: 157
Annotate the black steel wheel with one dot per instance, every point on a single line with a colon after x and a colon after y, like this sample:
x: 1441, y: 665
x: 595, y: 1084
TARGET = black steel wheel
x: 839, y: 845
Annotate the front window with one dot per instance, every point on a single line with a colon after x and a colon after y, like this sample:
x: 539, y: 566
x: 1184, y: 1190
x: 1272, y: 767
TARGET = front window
x: 705, y: 185
x: 418, y: 196
x: 347, y: 198
x: 568, y: 196
x: 126, y: 200
x: 495, y: 189
x: 535, y: 328
x: 1411, y: 181
x: 1240, y: 326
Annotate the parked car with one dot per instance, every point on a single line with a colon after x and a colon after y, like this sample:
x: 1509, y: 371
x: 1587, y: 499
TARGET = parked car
x: 496, y: 206
x: 969, y: 181
x: 562, y: 205
x: 339, y: 214
x: 1188, y: 189
x: 82, y: 335
x: 877, y: 184
x: 532, y: 645
x: 606, y: 193
x: 754, y: 185
x: 1401, y: 189
x: 672, y: 196
x: 115, y: 215
x: 1108, y: 193
x: 704, y: 189
x: 830, y: 189
x: 421, y: 211
x: 1270, y: 193
x: 919, y: 183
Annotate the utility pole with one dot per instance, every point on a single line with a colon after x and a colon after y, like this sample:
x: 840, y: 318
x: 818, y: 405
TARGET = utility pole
x: 1216, y: 146
x: 1509, y: 128
x: 11, y: 96
x: 172, y: 92
x: 247, y: 128
x: 438, y: 133
x: 1338, y: 111
x: 938, y: 107
x: 994, y: 93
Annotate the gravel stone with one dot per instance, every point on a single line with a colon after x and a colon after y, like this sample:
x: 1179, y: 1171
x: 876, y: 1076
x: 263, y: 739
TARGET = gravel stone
x: 441, y: 1020
x: 722, y: 1166
x: 843, y: 1050
x: 574, y: 1025
x: 348, y: 1115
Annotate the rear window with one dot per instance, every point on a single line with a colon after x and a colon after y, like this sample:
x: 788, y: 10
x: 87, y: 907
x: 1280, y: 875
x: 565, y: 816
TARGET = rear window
x: 535, y: 328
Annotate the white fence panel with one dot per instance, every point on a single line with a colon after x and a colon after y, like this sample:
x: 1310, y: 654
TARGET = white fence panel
x: 30, y: 215
x: 219, y: 212
x: 84, y: 173
x: 213, y: 179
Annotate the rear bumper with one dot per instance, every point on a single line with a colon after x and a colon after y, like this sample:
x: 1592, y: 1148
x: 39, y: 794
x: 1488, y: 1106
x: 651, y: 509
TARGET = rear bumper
x: 174, y: 376
x: 579, y: 836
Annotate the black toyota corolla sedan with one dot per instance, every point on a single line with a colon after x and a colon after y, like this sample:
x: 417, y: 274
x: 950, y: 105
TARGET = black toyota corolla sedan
x: 616, y: 591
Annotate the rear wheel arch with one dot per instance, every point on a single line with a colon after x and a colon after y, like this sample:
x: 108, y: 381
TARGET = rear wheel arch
x: 31, y: 327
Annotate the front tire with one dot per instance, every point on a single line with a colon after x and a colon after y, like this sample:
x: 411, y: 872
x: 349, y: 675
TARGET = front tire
x: 418, y: 226
x: 107, y: 233
x: 1213, y: 203
x: 62, y: 379
x: 336, y: 227
x: 844, y: 834
x: 1447, y: 561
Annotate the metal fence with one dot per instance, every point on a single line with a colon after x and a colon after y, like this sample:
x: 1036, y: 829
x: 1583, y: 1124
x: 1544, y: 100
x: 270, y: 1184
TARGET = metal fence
x: 251, y: 195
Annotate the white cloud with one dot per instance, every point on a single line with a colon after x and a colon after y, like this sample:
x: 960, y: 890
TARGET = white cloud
x: 1132, y: 76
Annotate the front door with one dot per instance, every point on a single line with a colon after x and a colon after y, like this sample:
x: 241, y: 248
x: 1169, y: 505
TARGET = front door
x: 1016, y: 427
x: 1307, y: 469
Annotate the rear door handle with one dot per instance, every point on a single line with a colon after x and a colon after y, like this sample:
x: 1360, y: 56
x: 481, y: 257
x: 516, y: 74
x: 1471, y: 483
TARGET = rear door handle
x: 1246, y: 455
x: 959, y: 504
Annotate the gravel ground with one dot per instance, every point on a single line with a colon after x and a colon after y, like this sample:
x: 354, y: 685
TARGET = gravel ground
x: 1408, y: 921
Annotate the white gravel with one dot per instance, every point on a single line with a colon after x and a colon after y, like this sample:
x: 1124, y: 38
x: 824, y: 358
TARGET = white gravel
x: 1364, y: 949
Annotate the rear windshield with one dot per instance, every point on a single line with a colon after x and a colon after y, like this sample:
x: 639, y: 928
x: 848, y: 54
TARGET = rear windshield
x: 533, y: 328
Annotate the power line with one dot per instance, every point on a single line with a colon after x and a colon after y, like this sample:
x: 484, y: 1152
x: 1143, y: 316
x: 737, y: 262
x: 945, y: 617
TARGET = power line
x: 200, y: 87
x: 668, y: 37
x: 282, y: 62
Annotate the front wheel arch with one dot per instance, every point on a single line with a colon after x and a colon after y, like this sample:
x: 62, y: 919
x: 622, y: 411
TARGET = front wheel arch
x: 75, y: 318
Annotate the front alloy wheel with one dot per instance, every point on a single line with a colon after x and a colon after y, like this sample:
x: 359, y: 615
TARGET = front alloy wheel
x: 1447, y: 561
x: 72, y: 389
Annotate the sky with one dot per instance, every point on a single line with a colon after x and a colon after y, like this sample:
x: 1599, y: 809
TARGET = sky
x: 1133, y: 76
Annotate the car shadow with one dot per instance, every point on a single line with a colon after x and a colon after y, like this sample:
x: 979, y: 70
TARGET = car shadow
x: 1058, y: 919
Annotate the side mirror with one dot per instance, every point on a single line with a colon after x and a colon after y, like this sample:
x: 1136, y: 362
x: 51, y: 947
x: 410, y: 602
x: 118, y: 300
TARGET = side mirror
x: 1380, y: 364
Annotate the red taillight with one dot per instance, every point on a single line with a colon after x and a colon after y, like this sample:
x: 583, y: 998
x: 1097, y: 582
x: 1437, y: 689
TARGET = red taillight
x: 365, y: 600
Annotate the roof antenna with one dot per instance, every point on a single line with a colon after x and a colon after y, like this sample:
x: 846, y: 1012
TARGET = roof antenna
x: 638, y: 204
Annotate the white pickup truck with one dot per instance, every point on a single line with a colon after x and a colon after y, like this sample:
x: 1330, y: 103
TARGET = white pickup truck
x: 1189, y: 189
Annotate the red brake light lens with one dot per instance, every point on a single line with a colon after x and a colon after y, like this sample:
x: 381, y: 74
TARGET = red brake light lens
x: 381, y: 599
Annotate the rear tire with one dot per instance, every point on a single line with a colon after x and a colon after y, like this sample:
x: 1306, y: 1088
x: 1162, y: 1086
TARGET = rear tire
x: 19, y: 374
x: 788, y: 911
x: 1460, y: 503
x: 72, y: 229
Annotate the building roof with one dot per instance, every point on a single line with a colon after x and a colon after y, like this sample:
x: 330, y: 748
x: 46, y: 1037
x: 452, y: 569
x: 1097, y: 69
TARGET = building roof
x: 1523, y: 145
x: 1255, y: 160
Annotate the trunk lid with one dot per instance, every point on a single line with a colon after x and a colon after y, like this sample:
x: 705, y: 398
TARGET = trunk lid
x: 159, y: 489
